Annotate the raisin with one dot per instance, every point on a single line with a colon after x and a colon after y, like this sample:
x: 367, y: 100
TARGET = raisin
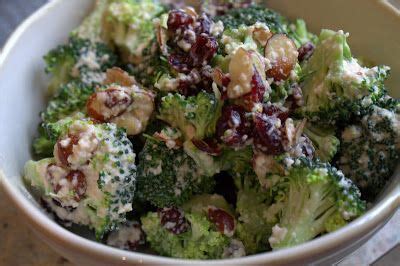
x: 305, y: 51
x: 173, y: 220
x: 65, y: 148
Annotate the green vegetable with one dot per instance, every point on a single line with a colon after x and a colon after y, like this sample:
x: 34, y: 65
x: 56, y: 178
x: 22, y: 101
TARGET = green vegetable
x: 371, y: 148
x: 129, y: 26
x: 109, y: 177
x: 78, y: 59
x: 250, y: 15
x: 236, y: 161
x: 256, y: 214
x: 169, y: 177
x: 201, y: 241
x: 299, y: 33
x: 71, y: 98
x: 324, y: 141
x: 315, y: 198
x: 195, y: 116
x: 206, y: 164
x: 335, y: 86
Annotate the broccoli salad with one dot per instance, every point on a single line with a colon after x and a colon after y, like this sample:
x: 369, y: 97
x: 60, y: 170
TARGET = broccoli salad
x: 209, y: 133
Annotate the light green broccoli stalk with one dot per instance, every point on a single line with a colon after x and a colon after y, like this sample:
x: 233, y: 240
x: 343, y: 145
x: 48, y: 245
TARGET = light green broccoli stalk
x: 203, y: 229
x: 335, y: 84
x: 299, y: 33
x: 91, y: 179
x: 257, y: 215
x: 236, y: 161
x: 195, y: 116
x: 370, y: 147
x: 316, y: 199
x: 324, y: 141
x: 128, y: 24
x: 206, y: 164
x: 169, y: 177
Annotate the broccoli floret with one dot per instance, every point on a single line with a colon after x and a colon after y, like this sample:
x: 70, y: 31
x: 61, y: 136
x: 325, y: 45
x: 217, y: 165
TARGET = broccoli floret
x: 236, y: 161
x: 256, y: 214
x: 299, y: 33
x: 335, y: 86
x: 370, y: 148
x: 325, y: 142
x: 168, y: 177
x: 128, y: 24
x: 49, y: 132
x: 78, y: 59
x: 202, y: 229
x: 314, y: 195
x: 71, y: 98
x: 201, y: 241
x: 250, y: 15
x: 196, y: 116
x: 91, y: 26
x: 83, y: 187
x: 206, y: 164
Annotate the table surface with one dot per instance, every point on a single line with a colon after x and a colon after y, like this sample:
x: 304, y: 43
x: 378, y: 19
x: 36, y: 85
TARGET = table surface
x: 19, y: 246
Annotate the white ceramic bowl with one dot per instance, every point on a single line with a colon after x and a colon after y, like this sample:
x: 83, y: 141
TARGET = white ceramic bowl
x: 374, y: 27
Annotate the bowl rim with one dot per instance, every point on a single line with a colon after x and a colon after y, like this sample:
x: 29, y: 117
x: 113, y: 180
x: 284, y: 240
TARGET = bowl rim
x: 368, y: 222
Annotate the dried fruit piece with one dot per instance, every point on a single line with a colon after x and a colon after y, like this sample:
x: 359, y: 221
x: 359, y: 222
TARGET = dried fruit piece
x: 78, y: 182
x: 233, y: 127
x: 224, y: 222
x: 203, y: 50
x: 178, y: 19
x: 64, y: 148
x: 306, y: 51
x: 282, y: 55
x: 267, y: 134
x: 209, y: 146
x: 173, y: 220
x: 107, y: 104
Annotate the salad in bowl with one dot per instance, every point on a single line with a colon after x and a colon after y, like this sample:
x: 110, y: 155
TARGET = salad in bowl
x: 209, y: 133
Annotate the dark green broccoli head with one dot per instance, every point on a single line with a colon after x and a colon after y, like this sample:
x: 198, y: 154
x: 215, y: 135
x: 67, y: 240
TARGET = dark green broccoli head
x: 78, y: 59
x: 195, y: 116
x: 168, y: 177
x: 335, y: 86
x: 250, y: 15
x: 70, y: 99
x: 316, y: 198
x: 370, y: 148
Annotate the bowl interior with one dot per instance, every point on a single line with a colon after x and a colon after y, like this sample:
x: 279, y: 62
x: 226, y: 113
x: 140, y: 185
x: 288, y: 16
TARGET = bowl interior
x: 23, y: 80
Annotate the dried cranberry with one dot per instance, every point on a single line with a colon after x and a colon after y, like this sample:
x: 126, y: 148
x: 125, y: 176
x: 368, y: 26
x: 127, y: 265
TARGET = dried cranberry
x: 257, y: 87
x: 277, y: 111
x: 203, y: 50
x: 78, y: 181
x: 203, y: 24
x: 180, y: 62
x: 178, y: 19
x: 223, y: 221
x: 233, y: 127
x: 65, y: 148
x: 305, y: 51
x: 209, y: 146
x: 173, y: 220
x: 267, y: 135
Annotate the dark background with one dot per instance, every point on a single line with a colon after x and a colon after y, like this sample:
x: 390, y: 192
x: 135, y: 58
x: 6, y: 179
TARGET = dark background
x: 12, y: 12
